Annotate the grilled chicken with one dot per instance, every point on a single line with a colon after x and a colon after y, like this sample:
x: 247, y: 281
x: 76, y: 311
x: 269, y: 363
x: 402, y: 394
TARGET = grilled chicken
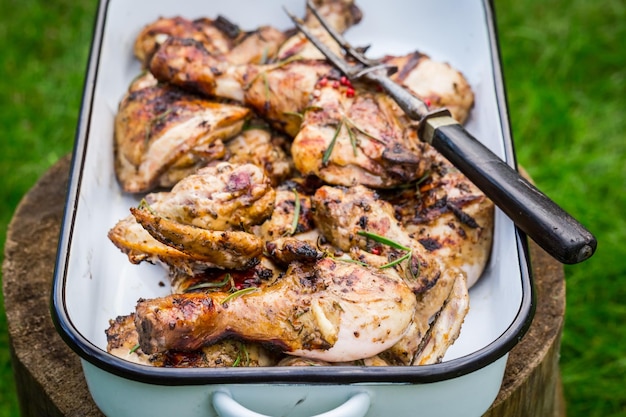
x: 219, y: 36
x: 162, y: 134
x: 436, y: 83
x: 332, y: 271
x: 257, y: 144
x: 123, y: 342
x: 278, y: 92
x: 448, y: 215
x: 357, y: 218
x: 446, y: 327
x: 221, y: 197
x: 203, y: 218
x: 332, y: 311
x: 281, y: 222
x: 357, y: 139
x: 346, y: 134
x: 220, y: 249
x: 227, y: 41
x: 352, y: 218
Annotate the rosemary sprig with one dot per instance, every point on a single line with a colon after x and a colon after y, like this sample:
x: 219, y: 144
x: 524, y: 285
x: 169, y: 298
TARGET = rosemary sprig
x: 203, y: 285
x: 423, y: 178
x: 382, y: 239
x: 395, y: 262
x: 144, y: 204
x: 327, y: 254
x: 408, y: 256
x: 237, y: 360
x: 264, y: 56
x: 349, y: 261
x: 361, y: 130
x: 239, y: 293
x: 153, y: 121
x: 134, y: 349
x: 418, y: 192
x: 294, y: 113
x: 352, y: 139
x: 296, y: 212
x: 273, y: 67
x: 246, y: 362
x: 329, y: 150
x: 266, y: 87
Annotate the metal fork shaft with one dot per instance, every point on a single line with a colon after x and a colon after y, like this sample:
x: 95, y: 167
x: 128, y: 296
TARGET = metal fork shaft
x: 415, y: 108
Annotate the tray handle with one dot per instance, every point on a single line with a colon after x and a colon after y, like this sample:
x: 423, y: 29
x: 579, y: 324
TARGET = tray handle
x: 226, y: 406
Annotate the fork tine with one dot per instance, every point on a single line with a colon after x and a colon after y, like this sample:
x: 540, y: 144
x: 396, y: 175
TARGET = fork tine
x: 336, y: 60
x: 415, y: 108
x: 343, y: 42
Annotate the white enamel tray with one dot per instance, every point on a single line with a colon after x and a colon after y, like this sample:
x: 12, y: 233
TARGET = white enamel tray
x: 94, y: 281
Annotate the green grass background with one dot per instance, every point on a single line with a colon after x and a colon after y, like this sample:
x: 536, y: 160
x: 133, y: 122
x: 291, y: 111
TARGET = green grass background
x: 565, y: 71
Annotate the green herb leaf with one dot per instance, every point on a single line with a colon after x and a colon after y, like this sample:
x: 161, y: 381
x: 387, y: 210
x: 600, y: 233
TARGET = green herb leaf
x: 369, y: 135
x: 352, y: 140
x: 266, y: 87
x: 329, y: 150
x: 204, y: 285
x: 397, y: 261
x: 383, y: 240
x: 296, y: 212
x: 143, y: 204
x: 134, y: 349
x: 294, y: 113
x: 239, y: 294
x: 349, y: 261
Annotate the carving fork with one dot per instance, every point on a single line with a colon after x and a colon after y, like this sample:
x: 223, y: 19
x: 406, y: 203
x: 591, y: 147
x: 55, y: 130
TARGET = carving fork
x: 557, y: 232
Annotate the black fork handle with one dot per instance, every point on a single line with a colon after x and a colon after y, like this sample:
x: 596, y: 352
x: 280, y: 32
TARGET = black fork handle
x: 558, y: 233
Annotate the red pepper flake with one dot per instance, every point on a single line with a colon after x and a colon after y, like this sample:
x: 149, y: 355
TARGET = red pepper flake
x: 345, y: 81
x: 427, y: 102
x: 323, y: 82
x: 335, y: 84
x: 376, y: 250
x: 350, y: 92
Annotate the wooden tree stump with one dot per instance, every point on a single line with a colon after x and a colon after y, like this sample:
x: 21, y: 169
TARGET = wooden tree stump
x: 49, y: 376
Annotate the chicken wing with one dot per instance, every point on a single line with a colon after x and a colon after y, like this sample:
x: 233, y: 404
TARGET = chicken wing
x: 201, y: 222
